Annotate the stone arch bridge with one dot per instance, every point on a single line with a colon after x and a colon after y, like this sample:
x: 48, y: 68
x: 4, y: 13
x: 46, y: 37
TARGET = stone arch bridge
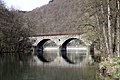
x: 62, y: 49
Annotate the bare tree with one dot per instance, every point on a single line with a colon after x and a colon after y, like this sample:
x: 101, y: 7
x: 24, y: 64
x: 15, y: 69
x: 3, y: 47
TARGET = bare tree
x: 118, y: 27
x: 14, y: 35
x: 107, y: 25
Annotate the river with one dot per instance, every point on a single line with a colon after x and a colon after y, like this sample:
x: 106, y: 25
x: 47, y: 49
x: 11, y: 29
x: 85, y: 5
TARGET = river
x: 22, y: 67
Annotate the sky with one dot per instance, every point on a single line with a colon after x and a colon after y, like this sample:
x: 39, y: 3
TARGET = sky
x: 25, y: 5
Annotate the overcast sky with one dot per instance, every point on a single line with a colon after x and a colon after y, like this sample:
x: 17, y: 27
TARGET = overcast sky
x: 25, y: 5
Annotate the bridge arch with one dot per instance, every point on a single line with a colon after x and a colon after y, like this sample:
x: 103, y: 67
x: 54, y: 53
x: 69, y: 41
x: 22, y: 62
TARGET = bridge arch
x: 67, y: 46
x: 43, y: 48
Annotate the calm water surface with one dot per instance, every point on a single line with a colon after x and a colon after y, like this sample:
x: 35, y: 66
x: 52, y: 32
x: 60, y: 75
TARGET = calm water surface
x: 20, y: 68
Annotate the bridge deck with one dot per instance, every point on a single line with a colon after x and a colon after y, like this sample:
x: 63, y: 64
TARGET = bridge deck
x: 56, y: 34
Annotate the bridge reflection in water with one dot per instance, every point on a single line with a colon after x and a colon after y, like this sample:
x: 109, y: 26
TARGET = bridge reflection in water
x: 68, y: 56
x: 50, y: 53
x: 72, y: 55
x: 76, y: 54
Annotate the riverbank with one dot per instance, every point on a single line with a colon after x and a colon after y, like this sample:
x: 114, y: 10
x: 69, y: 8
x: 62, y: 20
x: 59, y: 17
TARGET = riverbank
x: 27, y: 51
x: 109, y: 69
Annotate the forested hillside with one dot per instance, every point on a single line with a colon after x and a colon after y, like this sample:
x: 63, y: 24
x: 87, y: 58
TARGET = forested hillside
x: 61, y: 16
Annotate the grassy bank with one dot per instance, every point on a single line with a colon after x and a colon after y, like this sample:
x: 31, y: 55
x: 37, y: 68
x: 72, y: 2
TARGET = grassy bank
x: 109, y: 69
